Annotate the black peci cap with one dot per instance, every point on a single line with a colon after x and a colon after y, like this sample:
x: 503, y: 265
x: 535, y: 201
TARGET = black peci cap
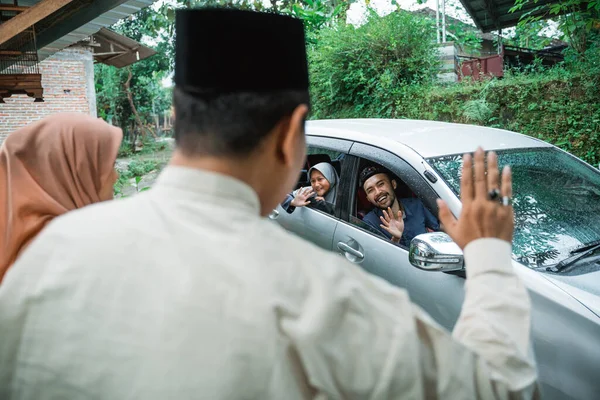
x: 368, y: 172
x: 220, y: 50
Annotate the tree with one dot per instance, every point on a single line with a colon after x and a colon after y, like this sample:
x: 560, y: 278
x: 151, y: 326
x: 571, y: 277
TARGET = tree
x: 355, y: 67
x: 528, y: 35
x: 128, y: 97
x: 579, y: 20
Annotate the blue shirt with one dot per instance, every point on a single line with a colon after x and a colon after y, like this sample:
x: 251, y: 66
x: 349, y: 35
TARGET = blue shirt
x: 416, y: 217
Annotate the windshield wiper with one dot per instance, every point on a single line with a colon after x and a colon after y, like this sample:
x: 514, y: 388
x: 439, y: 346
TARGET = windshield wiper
x: 580, y: 254
x: 585, y: 247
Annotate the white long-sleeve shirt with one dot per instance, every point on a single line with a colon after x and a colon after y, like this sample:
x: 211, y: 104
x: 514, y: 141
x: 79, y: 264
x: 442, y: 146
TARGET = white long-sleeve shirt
x: 185, y: 292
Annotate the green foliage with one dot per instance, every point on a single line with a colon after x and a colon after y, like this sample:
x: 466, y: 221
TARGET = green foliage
x: 149, y: 146
x: 149, y: 97
x: 238, y: 4
x: 577, y: 19
x: 478, y: 111
x: 125, y: 150
x: 157, y: 23
x: 316, y: 14
x: 467, y: 37
x: 587, y: 62
x: 558, y: 105
x: 135, y: 170
x: 368, y: 65
x: 528, y: 35
x: 387, y: 67
x: 138, y: 168
x: 469, y: 40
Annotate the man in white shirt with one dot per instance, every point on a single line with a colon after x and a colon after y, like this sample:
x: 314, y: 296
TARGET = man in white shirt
x: 186, y: 291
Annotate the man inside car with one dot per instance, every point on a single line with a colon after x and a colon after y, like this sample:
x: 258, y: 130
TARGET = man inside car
x: 400, y: 220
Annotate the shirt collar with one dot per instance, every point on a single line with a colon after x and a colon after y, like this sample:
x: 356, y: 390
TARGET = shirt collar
x: 407, y: 211
x: 203, y: 183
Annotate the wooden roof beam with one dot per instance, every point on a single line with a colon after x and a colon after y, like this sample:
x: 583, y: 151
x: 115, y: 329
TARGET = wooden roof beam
x: 29, y: 17
x: 121, y: 54
x: 112, y: 43
x: 10, y: 53
x: 10, y: 7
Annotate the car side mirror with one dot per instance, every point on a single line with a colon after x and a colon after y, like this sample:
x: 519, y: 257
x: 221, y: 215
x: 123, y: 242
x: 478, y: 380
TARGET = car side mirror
x: 435, y: 251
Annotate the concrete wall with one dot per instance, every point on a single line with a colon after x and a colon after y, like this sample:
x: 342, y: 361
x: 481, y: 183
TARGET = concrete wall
x: 448, y: 70
x: 68, y: 82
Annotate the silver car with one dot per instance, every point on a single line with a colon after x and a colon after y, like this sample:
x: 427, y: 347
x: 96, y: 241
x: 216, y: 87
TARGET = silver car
x: 557, y: 230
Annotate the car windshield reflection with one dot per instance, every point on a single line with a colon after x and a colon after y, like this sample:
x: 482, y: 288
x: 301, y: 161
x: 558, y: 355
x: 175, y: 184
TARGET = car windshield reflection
x: 556, y: 200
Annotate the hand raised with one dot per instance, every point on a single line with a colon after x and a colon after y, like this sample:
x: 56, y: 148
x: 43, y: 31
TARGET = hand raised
x: 301, y: 198
x: 394, y: 225
x: 481, y: 217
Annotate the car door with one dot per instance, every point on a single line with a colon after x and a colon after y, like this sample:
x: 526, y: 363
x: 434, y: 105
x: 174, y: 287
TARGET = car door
x: 440, y: 294
x: 311, y: 224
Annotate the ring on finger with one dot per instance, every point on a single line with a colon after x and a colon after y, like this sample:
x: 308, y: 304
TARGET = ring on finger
x: 507, y: 201
x: 494, y: 194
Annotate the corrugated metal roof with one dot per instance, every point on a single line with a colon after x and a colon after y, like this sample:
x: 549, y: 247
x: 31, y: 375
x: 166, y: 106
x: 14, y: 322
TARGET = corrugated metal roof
x: 102, y: 21
x: 118, y: 50
x: 491, y: 15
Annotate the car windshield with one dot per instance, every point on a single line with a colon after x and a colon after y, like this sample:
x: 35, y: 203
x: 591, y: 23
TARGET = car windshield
x: 556, y: 199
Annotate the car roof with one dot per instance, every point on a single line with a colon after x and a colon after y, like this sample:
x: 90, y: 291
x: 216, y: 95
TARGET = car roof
x: 428, y: 138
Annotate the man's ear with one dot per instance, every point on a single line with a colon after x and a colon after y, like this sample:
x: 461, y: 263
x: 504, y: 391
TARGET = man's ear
x: 394, y: 184
x: 291, y: 136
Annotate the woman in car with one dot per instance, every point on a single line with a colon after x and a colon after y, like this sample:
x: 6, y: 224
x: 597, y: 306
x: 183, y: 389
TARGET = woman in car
x: 52, y: 166
x: 320, y: 195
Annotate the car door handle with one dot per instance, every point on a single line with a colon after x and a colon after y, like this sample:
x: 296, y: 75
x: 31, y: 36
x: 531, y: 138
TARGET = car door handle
x: 274, y: 214
x: 348, y: 249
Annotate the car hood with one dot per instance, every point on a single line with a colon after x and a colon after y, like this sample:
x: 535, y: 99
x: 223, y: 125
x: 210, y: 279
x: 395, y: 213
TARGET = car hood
x: 585, y: 288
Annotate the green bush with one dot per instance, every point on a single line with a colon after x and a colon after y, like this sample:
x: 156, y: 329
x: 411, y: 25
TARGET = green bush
x: 149, y: 146
x: 141, y: 167
x: 135, y: 169
x: 386, y: 68
x: 364, y: 68
x: 558, y: 105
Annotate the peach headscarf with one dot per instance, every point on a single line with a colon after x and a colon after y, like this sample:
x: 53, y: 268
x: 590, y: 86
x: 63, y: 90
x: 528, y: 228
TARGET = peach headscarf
x: 48, y: 168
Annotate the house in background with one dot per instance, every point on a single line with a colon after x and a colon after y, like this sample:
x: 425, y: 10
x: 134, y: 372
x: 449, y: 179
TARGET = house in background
x: 487, y: 54
x: 47, y: 54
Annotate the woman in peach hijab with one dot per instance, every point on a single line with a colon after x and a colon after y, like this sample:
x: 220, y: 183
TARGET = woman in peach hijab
x: 52, y: 166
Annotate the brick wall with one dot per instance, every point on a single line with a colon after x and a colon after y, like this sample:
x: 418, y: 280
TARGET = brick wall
x: 68, y: 82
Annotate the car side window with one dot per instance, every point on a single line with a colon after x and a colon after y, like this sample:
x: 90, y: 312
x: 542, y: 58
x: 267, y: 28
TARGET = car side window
x: 377, y: 189
x: 321, y: 174
x: 367, y: 227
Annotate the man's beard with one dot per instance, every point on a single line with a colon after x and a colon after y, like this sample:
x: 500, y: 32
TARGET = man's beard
x: 385, y: 200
